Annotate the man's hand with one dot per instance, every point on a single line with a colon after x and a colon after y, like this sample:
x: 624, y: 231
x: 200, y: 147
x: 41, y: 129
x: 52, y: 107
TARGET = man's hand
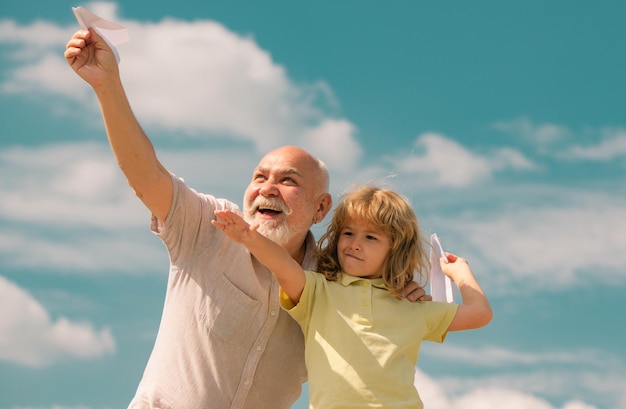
x: 90, y: 57
x: 413, y: 292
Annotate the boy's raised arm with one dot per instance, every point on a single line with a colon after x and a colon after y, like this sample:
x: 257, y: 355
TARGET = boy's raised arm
x: 475, y: 311
x: 287, y: 271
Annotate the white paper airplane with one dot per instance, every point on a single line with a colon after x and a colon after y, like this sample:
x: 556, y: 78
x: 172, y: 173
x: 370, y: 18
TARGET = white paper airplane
x: 112, y: 33
x: 440, y: 284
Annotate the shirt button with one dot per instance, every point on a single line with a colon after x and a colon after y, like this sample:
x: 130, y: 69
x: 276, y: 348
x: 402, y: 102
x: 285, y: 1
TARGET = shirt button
x: 259, y: 347
x: 246, y: 382
x: 273, y: 313
x: 364, y: 303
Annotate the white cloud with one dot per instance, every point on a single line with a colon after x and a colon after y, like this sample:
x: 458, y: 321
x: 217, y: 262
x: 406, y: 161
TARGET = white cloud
x: 84, y: 252
x: 525, y: 375
x: 32, y: 338
x: 194, y: 79
x: 51, y: 35
x: 555, y: 140
x: 497, y: 357
x: 543, y: 134
x: 508, y: 158
x: 612, y: 146
x: 446, y: 162
x: 61, y: 184
x: 67, y: 207
x: 567, y: 385
x: 482, y: 394
x: 334, y: 143
x: 548, y: 246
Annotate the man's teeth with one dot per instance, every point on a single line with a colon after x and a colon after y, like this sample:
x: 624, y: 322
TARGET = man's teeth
x: 264, y: 210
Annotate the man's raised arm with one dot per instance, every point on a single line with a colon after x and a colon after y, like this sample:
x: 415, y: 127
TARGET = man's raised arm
x: 92, y: 59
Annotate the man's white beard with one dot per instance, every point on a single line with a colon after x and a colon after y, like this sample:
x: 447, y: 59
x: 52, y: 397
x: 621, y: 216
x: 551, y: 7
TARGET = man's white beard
x: 277, y: 231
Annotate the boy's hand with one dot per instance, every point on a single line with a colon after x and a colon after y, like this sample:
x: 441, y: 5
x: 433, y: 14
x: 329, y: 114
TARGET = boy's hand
x: 234, y: 226
x: 456, y: 268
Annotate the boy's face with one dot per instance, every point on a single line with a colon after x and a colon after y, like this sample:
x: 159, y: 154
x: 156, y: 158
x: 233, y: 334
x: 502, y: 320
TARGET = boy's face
x: 362, y: 249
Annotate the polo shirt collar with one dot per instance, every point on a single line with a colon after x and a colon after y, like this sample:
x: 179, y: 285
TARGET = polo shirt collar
x: 346, y: 280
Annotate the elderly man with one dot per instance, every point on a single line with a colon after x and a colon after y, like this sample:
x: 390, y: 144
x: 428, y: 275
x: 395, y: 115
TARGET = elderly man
x: 223, y: 340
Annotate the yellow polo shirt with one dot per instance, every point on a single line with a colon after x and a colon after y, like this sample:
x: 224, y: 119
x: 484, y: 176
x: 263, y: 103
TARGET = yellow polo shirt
x: 361, y: 343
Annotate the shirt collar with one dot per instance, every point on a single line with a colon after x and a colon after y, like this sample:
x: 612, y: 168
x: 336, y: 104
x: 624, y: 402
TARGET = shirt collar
x: 347, y: 280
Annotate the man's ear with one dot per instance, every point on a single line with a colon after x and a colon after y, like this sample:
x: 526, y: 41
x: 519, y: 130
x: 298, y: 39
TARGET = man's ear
x: 325, y: 203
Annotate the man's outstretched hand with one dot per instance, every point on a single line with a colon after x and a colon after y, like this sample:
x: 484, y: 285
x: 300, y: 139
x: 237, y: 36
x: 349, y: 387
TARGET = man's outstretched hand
x: 414, y: 292
x: 91, y: 57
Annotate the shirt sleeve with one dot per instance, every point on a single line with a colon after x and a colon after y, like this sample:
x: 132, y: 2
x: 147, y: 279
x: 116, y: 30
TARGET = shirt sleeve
x: 440, y: 316
x: 301, y: 312
x: 187, y: 229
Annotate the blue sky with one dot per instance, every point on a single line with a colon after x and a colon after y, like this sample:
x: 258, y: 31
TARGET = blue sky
x: 503, y: 123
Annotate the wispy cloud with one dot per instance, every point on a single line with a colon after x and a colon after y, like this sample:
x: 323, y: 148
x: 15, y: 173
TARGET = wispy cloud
x: 538, y: 387
x: 545, y: 245
x: 75, y: 184
x: 540, y: 134
x: 487, y: 393
x: 556, y: 141
x: 525, y: 376
x: 446, y: 162
x: 612, y: 146
x: 498, y: 357
x: 34, y: 339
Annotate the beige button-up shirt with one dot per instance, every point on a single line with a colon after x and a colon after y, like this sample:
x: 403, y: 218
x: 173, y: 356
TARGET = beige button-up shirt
x: 223, y: 341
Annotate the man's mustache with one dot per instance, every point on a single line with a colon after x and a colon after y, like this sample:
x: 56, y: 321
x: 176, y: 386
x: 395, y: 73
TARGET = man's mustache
x: 271, y: 203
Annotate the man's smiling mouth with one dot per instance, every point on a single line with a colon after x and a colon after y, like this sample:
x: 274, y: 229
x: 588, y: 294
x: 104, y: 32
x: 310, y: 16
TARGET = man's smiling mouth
x: 268, y: 212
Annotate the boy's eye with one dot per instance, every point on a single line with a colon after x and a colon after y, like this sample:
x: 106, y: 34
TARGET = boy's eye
x: 370, y: 237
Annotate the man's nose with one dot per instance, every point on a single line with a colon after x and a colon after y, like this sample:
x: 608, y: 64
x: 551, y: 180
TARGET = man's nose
x: 268, y: 189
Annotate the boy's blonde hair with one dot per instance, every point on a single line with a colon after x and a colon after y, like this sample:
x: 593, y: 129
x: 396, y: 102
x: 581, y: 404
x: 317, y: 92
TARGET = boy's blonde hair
x: 393, y: 215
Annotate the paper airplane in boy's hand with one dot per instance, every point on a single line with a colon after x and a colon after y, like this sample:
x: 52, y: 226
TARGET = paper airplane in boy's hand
x: 440, y: 284
x: 112, y: 33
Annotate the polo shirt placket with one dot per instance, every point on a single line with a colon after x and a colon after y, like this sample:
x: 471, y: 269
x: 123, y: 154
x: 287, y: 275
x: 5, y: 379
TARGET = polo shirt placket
x: 254, y: 357
x: 365, y: 299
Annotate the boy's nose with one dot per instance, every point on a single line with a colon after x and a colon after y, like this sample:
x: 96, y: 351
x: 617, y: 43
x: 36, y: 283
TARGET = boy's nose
x: 355, y: 244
